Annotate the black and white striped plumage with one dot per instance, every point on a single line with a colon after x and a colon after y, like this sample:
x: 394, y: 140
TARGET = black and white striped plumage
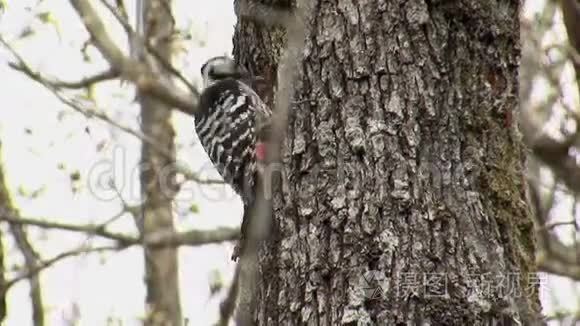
x: 232, y: 124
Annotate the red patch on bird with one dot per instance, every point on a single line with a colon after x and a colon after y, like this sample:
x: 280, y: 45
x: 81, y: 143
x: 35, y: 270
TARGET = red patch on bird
x: 261, y: 151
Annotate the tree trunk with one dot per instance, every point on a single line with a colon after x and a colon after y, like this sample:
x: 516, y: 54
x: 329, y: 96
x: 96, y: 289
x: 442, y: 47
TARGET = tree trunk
x: 406, y: 201
x: 157, y: 182
x: 2, y: 281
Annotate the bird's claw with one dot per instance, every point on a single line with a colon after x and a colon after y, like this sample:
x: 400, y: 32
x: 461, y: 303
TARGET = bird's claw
x: 238, y: 250
x: 236, y: 253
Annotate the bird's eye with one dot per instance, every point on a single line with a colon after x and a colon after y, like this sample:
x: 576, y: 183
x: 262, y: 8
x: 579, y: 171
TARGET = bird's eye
x: 211, y: 71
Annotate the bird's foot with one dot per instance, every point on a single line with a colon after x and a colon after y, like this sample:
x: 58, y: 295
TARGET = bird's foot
x: 238, y: 250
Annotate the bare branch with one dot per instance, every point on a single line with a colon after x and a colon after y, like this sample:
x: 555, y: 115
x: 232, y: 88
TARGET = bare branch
x: 553, y: 225
x: 169, y: 67
x: 551, y: 264
x: 133, y: 70
x: 47, y: 263
x: 120, y: 18
x: 228, y: 305
x: 26, y: 69
x: 552, y: 255
x: 90, y: 112
x: 88, y: 229
x: 554, y: 153
x: 93, y: 112
x: 564, y: 317
x: 82, y: 83
x: 103, y: 42
x: 192, y: 237
x: 86, y: 81
x: 75, y: 105
x: 187, y: 238
x: 138, y: 40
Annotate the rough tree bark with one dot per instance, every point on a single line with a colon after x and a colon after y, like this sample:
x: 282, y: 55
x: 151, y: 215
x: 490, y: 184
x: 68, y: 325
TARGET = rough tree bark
x: 406, y: 201
x: 157, y: 182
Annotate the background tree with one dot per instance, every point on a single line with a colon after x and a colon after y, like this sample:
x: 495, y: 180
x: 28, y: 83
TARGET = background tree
x: 161, y: 274
x: 550, y: 98
x: 153, y: 75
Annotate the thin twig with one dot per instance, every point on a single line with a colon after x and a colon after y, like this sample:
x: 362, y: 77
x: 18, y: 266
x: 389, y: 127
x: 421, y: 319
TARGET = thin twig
x: 47, y: 263
x: 119, y: 17
x: 78, y: 84
x: 82, y: 83
x: 169, y: 67
x: 145, y: 80
x: 553, y: 225
x: 136, y: 38
x: 88, y: 229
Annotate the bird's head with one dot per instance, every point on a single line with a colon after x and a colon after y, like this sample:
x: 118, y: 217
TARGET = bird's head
x: 218, y: 68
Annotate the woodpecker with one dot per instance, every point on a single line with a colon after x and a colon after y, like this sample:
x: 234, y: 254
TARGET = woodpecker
x: 233, y: 126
